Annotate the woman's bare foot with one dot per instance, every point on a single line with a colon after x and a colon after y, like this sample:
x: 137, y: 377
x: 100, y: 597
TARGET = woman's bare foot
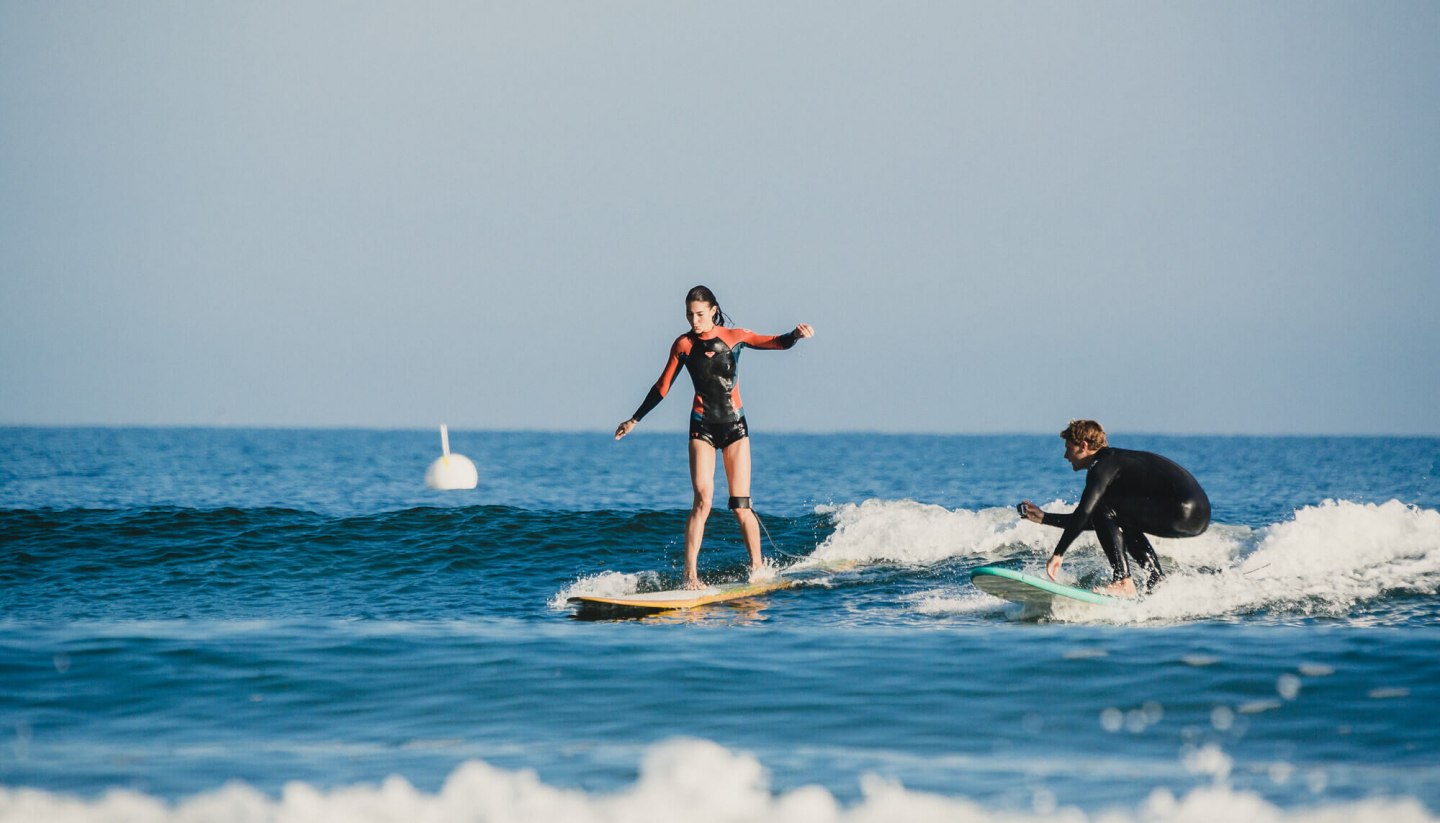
x: 1120, y: 588
x: 692, y: 584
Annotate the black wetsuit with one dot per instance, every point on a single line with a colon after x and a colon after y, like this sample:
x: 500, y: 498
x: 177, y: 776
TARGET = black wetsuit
x: 1129, y: 494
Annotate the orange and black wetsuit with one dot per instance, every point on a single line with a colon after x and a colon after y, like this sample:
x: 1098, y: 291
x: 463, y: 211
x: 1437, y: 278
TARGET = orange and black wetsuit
x: 1128, y: 494
x: 717, y: 416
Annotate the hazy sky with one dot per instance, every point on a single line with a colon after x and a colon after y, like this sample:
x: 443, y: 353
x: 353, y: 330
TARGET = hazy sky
x: 1173, y: 217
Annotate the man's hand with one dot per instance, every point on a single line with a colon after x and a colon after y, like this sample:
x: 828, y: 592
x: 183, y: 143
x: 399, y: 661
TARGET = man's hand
x: 1053, y: 567
x: 1031, y: 512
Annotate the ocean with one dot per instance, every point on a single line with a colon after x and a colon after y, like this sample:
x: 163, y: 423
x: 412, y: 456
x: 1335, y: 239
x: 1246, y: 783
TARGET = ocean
x: 287, y: 625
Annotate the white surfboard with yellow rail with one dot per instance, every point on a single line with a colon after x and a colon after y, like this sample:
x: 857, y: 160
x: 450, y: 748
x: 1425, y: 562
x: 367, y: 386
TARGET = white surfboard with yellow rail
x: 644, y: 603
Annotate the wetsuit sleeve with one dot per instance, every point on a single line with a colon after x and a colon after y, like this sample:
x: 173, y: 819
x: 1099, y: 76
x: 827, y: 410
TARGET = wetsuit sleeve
x: 662, y: 386
x: 652, y: 399
x: 1061, y: 520
x: 761, y: 341
x: 1097, y: 480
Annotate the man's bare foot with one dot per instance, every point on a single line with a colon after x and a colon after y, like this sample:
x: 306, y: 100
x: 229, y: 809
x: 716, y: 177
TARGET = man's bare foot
x: 761, y: 573
x: 692, y: 584
x: 1120, y: 588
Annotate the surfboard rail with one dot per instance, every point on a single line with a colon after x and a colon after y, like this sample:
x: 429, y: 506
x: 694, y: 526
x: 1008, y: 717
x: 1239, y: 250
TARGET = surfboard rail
x: 675, y: 599
x: 1019, y: 587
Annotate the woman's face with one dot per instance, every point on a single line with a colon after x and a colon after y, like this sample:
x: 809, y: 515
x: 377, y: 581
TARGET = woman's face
x: 700, y: 315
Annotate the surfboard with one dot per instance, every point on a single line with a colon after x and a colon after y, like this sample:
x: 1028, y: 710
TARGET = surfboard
x: 1019, y: 587
x: 672, y: 599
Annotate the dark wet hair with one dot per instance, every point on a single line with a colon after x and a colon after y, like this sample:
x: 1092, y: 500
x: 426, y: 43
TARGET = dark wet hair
x: 704, y: 295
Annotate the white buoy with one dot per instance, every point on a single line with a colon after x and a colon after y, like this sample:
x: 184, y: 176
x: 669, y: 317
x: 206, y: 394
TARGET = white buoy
x: 450, y: 471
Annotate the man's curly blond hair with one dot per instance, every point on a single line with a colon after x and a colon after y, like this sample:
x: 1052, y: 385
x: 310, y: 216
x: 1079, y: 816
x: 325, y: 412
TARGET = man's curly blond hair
x: 1085, y: 431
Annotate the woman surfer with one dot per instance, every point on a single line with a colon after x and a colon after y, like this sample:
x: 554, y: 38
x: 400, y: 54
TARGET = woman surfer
x: 710, y: 351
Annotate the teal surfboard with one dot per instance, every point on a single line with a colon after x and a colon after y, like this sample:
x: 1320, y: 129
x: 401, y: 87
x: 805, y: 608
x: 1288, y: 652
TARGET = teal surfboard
x: 1019, y: 587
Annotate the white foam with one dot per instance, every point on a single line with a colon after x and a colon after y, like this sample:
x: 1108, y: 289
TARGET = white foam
x: 1368, y: 547
x: 941, y: 602
x: 604, y: 584
x: 1325, y: 561
x: 692, y: 780
x: 768, y: 571
x: 907, y: 532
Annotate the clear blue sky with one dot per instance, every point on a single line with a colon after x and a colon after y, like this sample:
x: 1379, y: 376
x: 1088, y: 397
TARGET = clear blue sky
x: 1201, y: 217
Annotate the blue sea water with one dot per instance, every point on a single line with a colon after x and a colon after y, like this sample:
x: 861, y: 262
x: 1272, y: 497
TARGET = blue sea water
x: 202, y: 624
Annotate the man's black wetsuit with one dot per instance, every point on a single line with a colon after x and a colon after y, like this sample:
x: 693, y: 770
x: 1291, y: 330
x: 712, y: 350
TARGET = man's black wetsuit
x: 1129, y: 494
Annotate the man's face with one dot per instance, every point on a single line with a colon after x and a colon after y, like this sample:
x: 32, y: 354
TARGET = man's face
x: 1080, y: 455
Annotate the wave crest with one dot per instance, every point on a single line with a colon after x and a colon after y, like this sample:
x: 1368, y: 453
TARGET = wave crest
x: 1327, y: 560
x: 700, y: 780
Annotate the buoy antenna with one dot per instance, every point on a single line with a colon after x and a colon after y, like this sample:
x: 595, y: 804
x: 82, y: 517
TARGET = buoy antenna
x: 451, y: 471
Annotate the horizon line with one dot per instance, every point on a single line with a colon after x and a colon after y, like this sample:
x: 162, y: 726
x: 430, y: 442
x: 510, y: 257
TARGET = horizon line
x: 681, y: 430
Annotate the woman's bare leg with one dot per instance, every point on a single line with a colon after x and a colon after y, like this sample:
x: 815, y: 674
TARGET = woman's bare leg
x: 737, y: 477
x: 702, y: 479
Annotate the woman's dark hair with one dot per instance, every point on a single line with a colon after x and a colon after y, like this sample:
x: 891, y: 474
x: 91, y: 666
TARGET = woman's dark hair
x: 704, y: 295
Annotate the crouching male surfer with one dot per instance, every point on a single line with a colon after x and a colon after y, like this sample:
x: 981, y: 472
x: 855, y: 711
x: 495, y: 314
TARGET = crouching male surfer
x: 1128, y: 494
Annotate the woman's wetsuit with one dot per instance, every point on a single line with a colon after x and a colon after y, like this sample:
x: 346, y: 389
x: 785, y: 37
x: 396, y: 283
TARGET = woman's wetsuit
x: 717, y: 416
x: 1127, y: 495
